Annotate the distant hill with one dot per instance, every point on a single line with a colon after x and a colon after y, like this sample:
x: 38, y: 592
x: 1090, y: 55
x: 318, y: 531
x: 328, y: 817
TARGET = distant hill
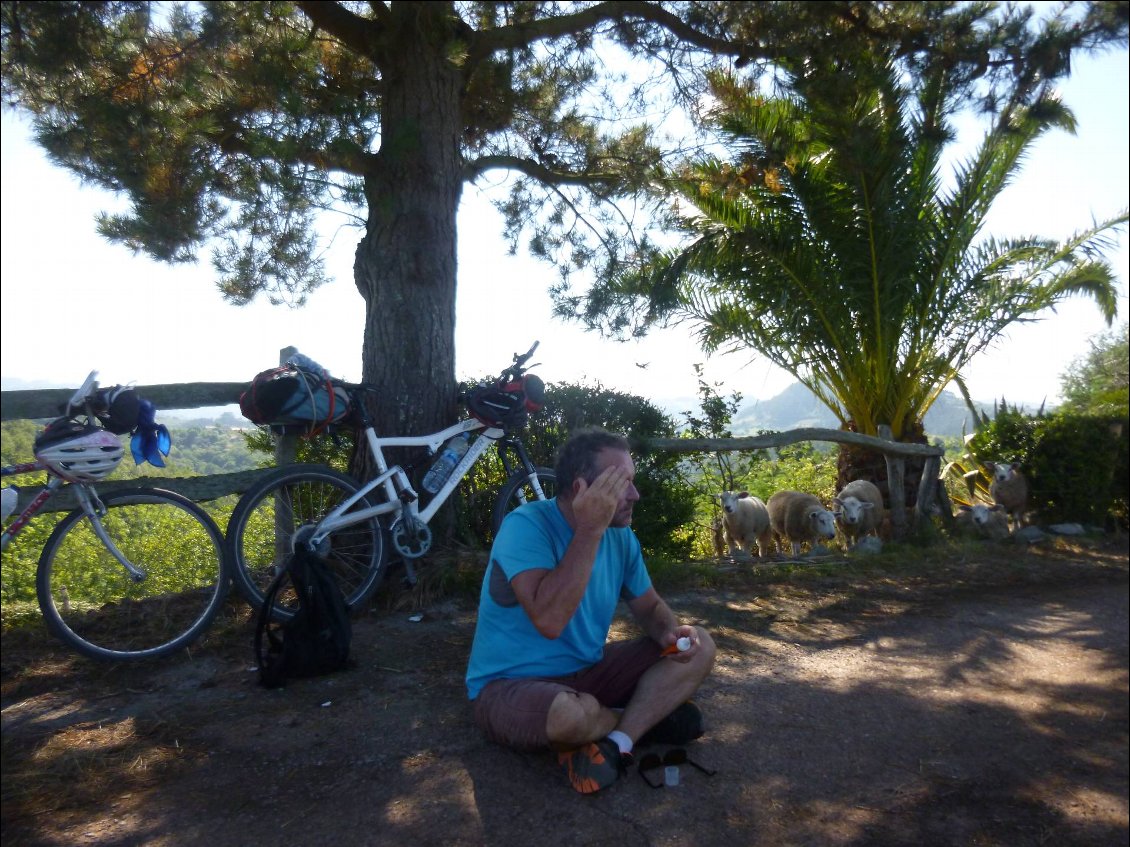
x: 797, y: 407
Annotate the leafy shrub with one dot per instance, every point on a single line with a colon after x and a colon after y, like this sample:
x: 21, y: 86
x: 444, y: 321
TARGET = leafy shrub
x: 21, y: 560
x: 965, y: 476
x: 1009, y: 437
x: 1098, y: 383
x: 1076, y: 464
x: 1078, y: 471
x: 334, y: 450
x: 801, y: 467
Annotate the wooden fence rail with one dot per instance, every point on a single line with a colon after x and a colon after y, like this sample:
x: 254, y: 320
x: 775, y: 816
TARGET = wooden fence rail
x: 46, y: 403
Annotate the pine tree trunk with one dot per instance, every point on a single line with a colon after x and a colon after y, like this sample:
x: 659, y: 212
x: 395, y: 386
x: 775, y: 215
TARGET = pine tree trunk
x: 405, y: 267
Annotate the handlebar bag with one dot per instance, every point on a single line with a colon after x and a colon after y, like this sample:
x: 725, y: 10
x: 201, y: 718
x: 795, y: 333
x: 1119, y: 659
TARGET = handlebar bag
x: 293, y: 400
x: 507, y: 405
x: 118, y: 409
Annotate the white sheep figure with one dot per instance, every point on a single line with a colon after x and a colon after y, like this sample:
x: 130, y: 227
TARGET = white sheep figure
x: 858, y: 509
x: 799, y: 518
x: 983, y: 521
x: 1009, y: 490
x: 745, y: 520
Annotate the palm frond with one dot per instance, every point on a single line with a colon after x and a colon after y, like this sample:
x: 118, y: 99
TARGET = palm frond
x: 826, y: 242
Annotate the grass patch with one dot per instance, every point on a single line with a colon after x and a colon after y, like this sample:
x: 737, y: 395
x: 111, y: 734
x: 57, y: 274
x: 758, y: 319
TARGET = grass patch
x: 20, y: 614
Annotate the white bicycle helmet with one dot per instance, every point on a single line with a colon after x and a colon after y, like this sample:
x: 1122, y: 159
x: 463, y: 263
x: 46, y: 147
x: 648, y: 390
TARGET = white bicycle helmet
x: 78, y: 452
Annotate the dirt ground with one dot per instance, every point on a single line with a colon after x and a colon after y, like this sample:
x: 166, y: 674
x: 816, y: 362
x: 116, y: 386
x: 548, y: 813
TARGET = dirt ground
x: 980, y: 700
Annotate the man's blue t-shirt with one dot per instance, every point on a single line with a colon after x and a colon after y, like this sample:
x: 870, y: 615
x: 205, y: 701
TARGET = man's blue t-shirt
x: 507, y: 645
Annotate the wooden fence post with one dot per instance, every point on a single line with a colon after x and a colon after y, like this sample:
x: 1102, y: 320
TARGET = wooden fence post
x: 927, y: 491
x: 286, y: 446
x: 936, y: 497
x: 896, y: 487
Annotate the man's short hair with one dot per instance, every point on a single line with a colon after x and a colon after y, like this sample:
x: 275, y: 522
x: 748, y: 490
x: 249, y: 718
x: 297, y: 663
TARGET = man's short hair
x: 576, y: 458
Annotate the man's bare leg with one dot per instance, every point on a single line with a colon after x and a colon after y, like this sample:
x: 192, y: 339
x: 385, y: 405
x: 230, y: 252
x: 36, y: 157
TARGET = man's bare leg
x: 666, y: 686
x: 575, y: 719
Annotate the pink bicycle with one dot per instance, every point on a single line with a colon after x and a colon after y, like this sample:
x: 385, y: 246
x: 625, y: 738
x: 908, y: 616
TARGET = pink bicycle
x: 131, y: 574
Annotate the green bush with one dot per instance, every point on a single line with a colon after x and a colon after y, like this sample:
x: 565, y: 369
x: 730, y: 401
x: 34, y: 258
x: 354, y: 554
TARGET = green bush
x: 800, y: 467
x: 1009, y: 437
x: 1076, y: 464
x: 1077, y: 470
x: 21, y: 561
x: 334, y: 450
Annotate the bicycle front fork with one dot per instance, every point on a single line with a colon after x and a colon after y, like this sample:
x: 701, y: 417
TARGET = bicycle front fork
x: 95, y: 511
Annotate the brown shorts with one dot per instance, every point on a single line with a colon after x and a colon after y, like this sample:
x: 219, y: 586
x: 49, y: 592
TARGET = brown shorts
x: 513, y: 712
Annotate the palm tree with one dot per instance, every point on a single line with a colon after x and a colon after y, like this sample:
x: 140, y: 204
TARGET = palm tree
x: 827, y: 242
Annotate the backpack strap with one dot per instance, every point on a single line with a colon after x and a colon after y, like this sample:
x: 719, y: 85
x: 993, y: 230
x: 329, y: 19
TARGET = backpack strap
x: 308, y: 378
x: 270, y: 661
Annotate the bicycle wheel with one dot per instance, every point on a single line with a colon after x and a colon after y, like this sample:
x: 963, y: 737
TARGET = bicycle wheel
x: 292, y: 501
x: 92, y: 603
x: 518, y: 490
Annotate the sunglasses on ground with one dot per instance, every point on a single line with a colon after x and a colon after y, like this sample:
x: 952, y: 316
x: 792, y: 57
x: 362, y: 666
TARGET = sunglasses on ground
x: 678, y: 756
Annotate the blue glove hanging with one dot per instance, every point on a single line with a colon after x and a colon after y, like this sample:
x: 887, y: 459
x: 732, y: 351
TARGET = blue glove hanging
x: 150, y: 440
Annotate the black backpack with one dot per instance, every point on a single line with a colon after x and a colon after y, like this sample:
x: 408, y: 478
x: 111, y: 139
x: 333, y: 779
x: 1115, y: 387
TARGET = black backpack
x: 316, y: 640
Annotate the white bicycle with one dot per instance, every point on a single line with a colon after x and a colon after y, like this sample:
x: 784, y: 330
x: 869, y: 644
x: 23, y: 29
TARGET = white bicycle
x: 344, y: 521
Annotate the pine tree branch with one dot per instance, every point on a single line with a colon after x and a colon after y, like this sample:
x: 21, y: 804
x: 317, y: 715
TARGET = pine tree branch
x: 527, y: 33
x: 480, y: 165
x: 345, y: 156
x: 355, y: 32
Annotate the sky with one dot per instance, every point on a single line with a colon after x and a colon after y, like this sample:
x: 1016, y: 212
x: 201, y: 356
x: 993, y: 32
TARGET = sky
x: 72, y: 302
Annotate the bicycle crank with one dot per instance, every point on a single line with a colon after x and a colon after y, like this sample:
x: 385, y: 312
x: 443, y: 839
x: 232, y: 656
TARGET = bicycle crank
x: 410, y: 538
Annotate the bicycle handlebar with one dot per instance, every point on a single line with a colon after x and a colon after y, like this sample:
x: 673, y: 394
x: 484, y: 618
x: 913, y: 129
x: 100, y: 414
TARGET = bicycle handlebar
x: 84, y: 392
x: 517, y: 369
x: 525, y: 356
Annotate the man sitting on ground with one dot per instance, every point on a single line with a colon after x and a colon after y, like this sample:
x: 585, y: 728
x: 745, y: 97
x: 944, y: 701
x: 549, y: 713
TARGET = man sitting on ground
x: 541, y: 675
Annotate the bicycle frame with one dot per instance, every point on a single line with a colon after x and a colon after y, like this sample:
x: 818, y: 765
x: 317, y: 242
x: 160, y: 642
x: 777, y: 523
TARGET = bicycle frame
x: 399, y: 495
x: 88, y: 501
x: 54, y: 483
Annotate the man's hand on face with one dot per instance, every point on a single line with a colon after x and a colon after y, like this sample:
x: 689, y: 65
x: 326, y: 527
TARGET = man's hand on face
x: 595, y: 503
